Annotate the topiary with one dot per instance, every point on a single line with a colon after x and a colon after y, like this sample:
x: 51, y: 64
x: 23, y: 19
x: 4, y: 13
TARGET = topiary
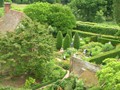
x: 76, y: 42
x: 59, y: 40
x: 66, y: 43
x: 70, y: 34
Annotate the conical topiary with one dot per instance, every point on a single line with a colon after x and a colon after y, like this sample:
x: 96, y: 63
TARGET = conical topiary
x: 59, y: 40
x: 76, y: 42
x: 1, y: 3
x: 70, y: 34
x: 66, y: 43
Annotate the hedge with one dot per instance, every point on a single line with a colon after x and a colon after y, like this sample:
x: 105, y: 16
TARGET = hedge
x: 89, y: 34
x: 96, y: 28
x: 106, y: 40
x: 110, y: 54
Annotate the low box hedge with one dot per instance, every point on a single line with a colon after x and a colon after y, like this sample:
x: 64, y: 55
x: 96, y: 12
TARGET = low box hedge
x: 94, y: 35
x: 110, y: 54
x: 106, y: 40
x: 96, y: 28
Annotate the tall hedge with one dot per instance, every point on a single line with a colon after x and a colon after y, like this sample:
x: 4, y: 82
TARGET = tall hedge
x: 66, y: 43
x: 1, y: 3
x: 76, y: 42
x: 96, y: 28
x: 117, y: 11
x: 59, y: 40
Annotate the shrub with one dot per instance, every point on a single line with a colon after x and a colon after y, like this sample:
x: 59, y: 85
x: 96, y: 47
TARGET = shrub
x: 109, y: 75
x: 59, y: 40
x: 56, y: 15
x: 29, y: 82
x: 66, y: 42
x: 107, y: 47
x: 76, y: 42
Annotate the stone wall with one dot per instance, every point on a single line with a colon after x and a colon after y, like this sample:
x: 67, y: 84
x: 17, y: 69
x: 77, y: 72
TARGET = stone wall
x: 78, y: 66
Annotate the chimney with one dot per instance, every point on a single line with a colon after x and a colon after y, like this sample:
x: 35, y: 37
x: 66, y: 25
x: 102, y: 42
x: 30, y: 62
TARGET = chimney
x: 7, y: 6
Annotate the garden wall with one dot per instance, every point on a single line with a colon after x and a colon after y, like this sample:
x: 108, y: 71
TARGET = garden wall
x: 78, y: 66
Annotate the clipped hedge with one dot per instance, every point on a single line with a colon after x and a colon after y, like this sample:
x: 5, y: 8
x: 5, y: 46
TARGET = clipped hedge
x: 99, y: 38
x: 106, y: 40
x: 89, y: 34
x: 110, y: 54
x: 96, y: 28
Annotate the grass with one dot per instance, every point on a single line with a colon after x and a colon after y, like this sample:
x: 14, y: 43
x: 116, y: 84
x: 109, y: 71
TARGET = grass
x: 1, y: 11
x: 18, y: 7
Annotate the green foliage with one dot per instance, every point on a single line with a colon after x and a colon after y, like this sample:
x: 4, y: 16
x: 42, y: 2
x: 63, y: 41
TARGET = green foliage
x: 56, y: 15
x: 96, y: 28
x: 64, y: 64
x: 86, y: 10
x: 71, y: 83
x: 54, y: 72
x: 108, y: 47
x: 76, y: 42
x: 106, y: 40
x: 69, y: 52
x: 8, y: 1
x: 66, y: 42
x: 59, y: 40
x: 70, y: 34
x: 117, y: 11
x: 1, y: 12
x: 79, y: 85
x: 1, y: 3
x: 99, y: 18
x: 29, y: 82
x: 95, y: 35
x: 93, y: 47
x: 109, y: 75
x: 110, y: 54
x: 27, y: 50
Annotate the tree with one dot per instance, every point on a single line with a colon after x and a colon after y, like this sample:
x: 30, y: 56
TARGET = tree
x: 109, y: 75
x: 1, y: 3
x: 56, y: 15
x: 117, y: 11
x: 66, y: 43
x: 27, y: 50
x: 76, y: 42
x: 59, y: 40
x: 86, y: 10
x: 70, y: 34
